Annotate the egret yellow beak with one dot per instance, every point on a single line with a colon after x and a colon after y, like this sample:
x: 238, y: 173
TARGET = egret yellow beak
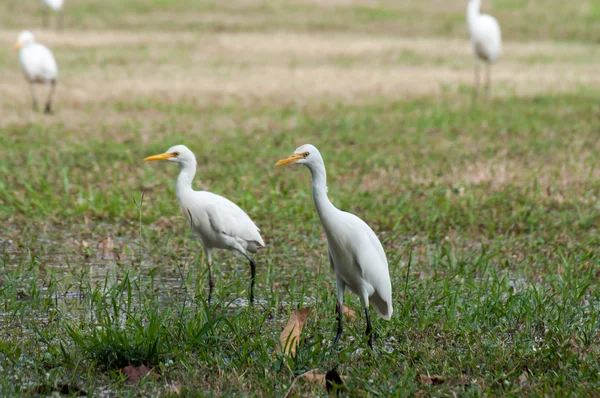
x: 290, y: 159
x: 17, y: 45
x: 163, y: 156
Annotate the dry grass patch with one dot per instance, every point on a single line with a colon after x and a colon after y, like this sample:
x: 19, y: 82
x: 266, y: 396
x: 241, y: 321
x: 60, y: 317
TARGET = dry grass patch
x: 556, y: 180
x: 286, y: 67
x: 101, y: 38
x: 274, y: 84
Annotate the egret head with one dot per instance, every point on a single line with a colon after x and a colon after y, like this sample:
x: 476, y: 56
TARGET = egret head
x: 178, y: 154
x: 306, y: 154
x: 25, y: 38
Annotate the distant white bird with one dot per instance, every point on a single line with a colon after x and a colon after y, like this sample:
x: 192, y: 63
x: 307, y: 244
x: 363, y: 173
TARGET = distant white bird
x: 56, y: 6
x: 220, y: 223
x: 39, y: 66
x: 355, y: 253
x: 486, y: 39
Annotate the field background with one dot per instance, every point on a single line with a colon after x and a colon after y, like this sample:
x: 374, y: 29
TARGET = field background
x: 488, y: 212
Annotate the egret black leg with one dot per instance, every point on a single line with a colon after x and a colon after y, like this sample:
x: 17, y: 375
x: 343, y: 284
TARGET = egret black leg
x: 488, y: 80
x: 252, y: 278
x: 252, y: 273
x: 369, y: 331
x: 340, y: 287
x: 48, y: 108
x: 476, y: 81
x: 211, y: 285
x: 340, y: 319
x: 34, y: 104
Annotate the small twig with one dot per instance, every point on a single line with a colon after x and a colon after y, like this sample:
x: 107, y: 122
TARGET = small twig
x: 408, y: 271
x: 289, y: 391
x: 139, y: 206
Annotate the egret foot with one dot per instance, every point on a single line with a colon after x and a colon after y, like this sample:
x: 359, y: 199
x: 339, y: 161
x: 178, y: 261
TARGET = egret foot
x: 48, y: 109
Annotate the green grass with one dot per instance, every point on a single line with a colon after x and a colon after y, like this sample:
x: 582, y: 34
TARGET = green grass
x: 503, y: 279
x: 488, y: 212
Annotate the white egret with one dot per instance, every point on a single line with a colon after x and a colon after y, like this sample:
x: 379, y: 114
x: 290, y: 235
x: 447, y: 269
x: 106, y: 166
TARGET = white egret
x: 38, y: 64
x: 355, y: 253
x: 486, y: 40
x: 220, y: 223
x: 56, y: 6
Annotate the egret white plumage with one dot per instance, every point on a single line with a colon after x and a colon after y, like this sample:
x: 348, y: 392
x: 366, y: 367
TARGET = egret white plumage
x: 355, y: 252
x: 39, y: 66
x: 54, y: 5
x: 220, y: 223
x: 486, y: 40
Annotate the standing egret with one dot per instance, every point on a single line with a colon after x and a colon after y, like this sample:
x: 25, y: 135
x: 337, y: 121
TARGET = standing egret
x: 486, y: 39
x: 355, y: 253
x: 56, y: 6
x: 38, y: 64
x: 220, y: 223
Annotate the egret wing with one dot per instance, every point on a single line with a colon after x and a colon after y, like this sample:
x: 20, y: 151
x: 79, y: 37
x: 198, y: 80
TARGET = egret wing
x: 330, y: 258
x: 372, y: 261
x: 49, y: 68
x: 226, y: 217
x: 39, y: 63
x: 363, y: 234
x: 376, y: 273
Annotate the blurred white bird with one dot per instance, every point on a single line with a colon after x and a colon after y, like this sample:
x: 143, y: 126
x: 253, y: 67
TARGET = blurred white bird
x: 486, y: 39
x: 220, y: 223
x: 355, y: 253
x: 56, y: 6
x: 39, y: 66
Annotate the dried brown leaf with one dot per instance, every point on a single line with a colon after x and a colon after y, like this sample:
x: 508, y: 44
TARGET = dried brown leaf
x: 463, y: 381
x: 433, y: 380
x: 135, y: 373
x: 523, y: 379
x: 175, y: 388
x: 291, y: 334
x: 349, y: 314
x: 314, y: 377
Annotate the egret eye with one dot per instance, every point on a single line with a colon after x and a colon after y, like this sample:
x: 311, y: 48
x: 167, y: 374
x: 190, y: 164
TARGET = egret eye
x: 176, y: 153
x: 305, y: 154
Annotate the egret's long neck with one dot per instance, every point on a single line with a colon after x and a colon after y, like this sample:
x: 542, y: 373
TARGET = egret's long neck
x: 186, y: 175
x: 473, y: 11
x: 319, y: 188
